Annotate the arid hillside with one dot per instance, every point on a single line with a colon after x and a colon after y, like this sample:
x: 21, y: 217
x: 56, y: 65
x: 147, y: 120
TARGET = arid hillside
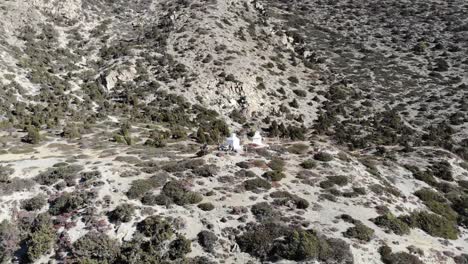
x: 114, y: 117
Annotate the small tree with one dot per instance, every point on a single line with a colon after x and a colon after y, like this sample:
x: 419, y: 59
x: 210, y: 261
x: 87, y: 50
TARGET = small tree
x: 70, y: 131
x: 41, y: 240
x: 201, y: 137
x: 122, y: 213
x: 179, y: 247
x: 33, y: 136
x: 124, y: 136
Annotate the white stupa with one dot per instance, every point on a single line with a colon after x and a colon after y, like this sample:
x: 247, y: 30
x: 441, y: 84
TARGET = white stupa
x: 233, y: 142
x: 257, y: 139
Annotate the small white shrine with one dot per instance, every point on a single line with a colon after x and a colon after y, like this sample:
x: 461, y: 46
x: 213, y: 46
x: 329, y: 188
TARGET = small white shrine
x: 257, y: 139
x: 233, y: 142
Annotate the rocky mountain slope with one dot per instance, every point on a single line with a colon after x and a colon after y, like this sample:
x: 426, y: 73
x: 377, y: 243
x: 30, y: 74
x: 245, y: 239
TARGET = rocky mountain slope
x: 111, y: 113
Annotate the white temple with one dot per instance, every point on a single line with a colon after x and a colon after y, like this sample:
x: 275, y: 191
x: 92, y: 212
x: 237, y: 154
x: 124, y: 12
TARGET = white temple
x: 233, y: 142
x: 257, y: 139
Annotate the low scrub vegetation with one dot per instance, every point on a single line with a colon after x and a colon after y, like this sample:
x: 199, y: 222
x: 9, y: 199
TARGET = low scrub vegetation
x: 433, y: 224
x: 34, y: 203
x: 179, y: 193
x: 122, y: 213
x: 391, y: 223
x: 388, y: 257
x: 360, y: 231
x: 263, y: 241
x: 141, y: 186
x: 257, y: 184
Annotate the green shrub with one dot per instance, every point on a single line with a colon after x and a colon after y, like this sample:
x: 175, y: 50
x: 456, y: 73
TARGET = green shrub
x: 40, y: 242
x: 328, y: 196
x: 381, y: 190
x: 391, y: 223
x: 443, y: 170
x: 256, y: 184
x: 338, y: 180
x: 293, y: 79
x: 66, y: 203
x: 388, y: 257
x: 180, y: 194
x: 179, y: 247
x: 245, y: 173
x: 156, y: 227
x: 208, y: 170
x: 68, y: 173
x: 156, y: 143
x: 41, y: 238
x: 276, y: 164
x: 262, y: 241
x: 122, y: 213
x: 326, y: 184
x: 141, y: 186
x: 206, y: 206
x: 238, y: 117
x: 258, y: 240
x: 300, y: 245
x: 283, y: 198
x: 128, y: 159
x: 334, y: 180
x: 323, y: 156
x: 443, y: 210
x: 207, y: 240
x: 371, y: 166
x: 295, y: 133
x: 298, y: 148
x: 304, y: 245
x: 359, y: 190
x: 274, y: 175
x: 294, y: 104
x: 360, y: 231
x: 301, y: 203
x: 90, y: 175
x: 34, y: 203
x: 33, y: 136
x: 201, y: 136
x: 70, y: 131
x: 124, y: 135
x: 140, y: 250
x: 433, y: 224
x: 97, y: 247
x: 179, y: 166
x: 460, y: 205
x: 308, y: 164
x: 178, y: 133
x: 425, y: 176
x: 300, y: 93
x: 16, y: 185
x: 428, y: 195
x: 150, y: 199
x: 263, y: 211
x: 446, y: 187
x: 118, y: 138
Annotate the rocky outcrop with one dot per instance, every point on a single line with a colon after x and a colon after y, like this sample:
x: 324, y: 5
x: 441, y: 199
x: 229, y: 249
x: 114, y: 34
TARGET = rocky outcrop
x: 110, y: 79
